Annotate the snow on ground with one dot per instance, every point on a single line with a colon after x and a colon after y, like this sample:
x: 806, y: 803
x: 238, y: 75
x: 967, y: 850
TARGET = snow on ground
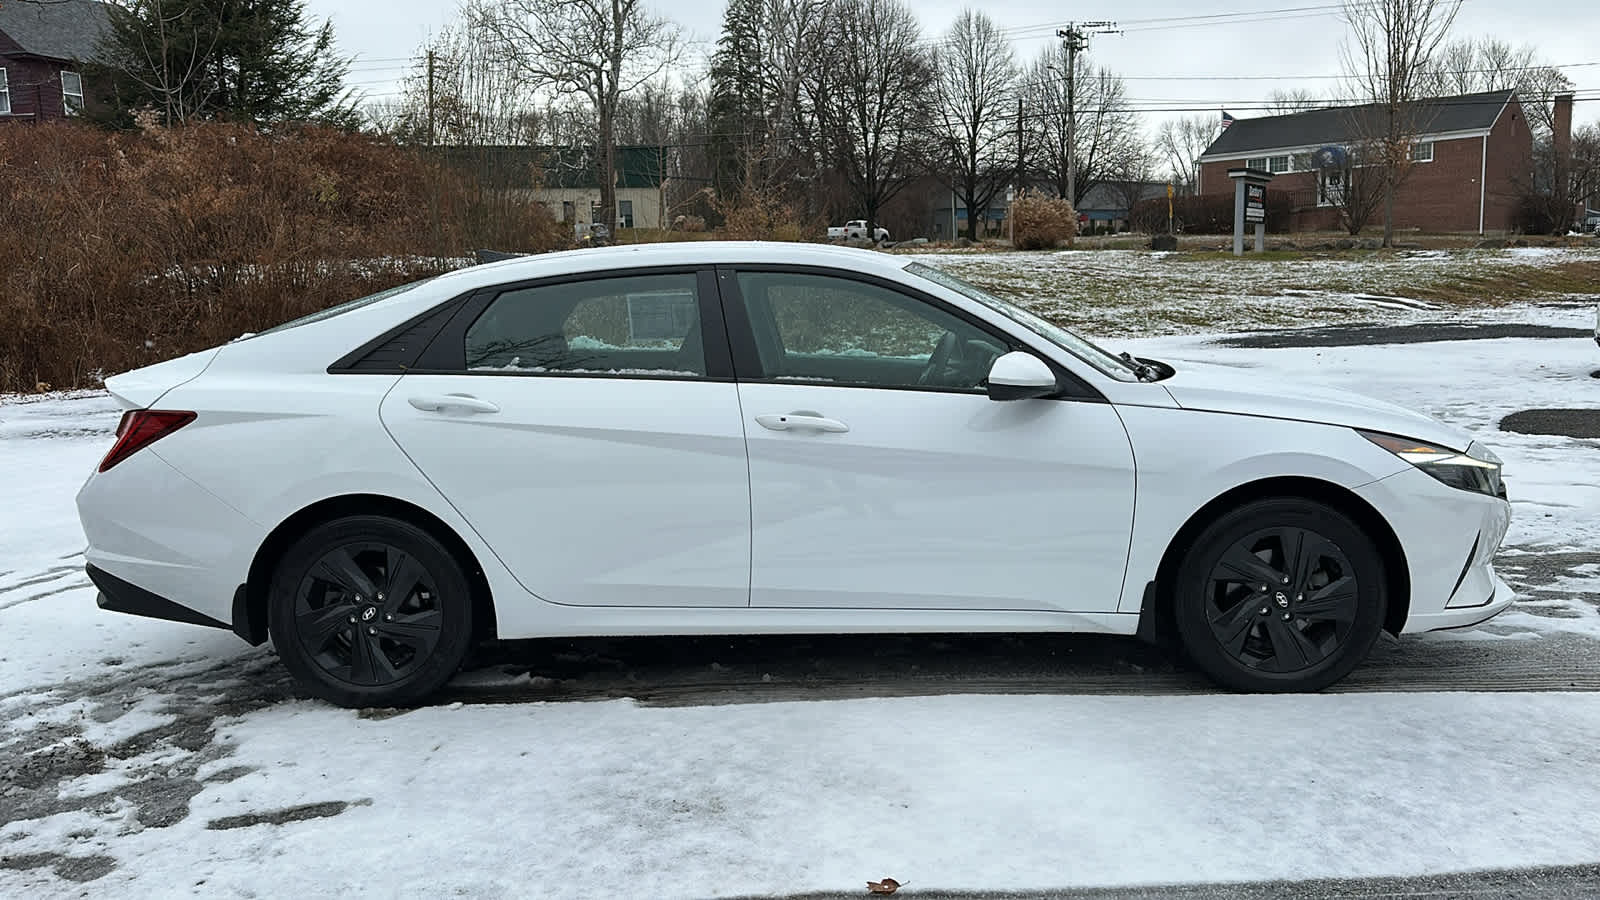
x: 180, y: 769
x: 612, y: 799
x: 1134, y: 292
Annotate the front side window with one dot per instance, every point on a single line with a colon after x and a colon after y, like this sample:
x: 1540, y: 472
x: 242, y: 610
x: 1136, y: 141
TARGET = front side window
x: 72, y: 93
x: 829, y: 330
x: 1278, y: 165
x: 1091, y: 353
x: 639, y: 325
x: 1259, y: 162
x: 1422, y: 152
x: 5, y: 94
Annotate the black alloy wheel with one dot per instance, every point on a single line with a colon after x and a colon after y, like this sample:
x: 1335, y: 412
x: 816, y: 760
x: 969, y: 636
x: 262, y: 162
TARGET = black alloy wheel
x: 1280, y: 595
x: 368, y: 614
x: 369, y: 611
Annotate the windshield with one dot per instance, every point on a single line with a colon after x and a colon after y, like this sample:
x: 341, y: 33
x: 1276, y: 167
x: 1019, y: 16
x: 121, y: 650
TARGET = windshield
x: 345, y: 307
x: 1106, y: 362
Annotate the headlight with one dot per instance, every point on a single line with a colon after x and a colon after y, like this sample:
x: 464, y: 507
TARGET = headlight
x: 1476, y: 470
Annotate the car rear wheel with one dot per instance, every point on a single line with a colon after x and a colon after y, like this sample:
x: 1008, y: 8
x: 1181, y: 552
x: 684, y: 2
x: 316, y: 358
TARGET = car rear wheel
x: 1280, y: 595
x: 370, y: 611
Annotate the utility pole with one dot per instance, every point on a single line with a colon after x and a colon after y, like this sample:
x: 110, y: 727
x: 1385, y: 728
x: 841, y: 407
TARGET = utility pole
x: 1016, y: 184
x: 1075, y: 39
x: 430, y: 98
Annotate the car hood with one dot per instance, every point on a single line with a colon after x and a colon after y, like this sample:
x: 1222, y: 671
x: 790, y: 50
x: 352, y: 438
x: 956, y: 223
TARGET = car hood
x: 1223, y: 389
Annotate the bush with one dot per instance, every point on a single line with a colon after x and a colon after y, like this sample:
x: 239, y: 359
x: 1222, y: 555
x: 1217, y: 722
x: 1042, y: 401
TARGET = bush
x: 1207, y: 213
x: 124, y: 249
x: 762, y: 216
x: 1041, y: 222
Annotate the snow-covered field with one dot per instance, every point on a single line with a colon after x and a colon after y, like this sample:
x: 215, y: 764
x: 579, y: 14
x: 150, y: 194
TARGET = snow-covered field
x: 1135, y: 292
x: 142, y: 758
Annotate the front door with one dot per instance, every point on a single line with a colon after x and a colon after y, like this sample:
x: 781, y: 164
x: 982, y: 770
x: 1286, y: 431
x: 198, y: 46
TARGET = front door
x: 882, y: 475
x: 592, y: 438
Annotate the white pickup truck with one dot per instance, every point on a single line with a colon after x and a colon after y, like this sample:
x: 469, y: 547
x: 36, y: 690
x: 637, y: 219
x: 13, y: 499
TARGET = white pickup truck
x: 856, y: 228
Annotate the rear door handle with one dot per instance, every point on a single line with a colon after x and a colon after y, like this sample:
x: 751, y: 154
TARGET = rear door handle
x: 801, y: 421
x: 463, y: 402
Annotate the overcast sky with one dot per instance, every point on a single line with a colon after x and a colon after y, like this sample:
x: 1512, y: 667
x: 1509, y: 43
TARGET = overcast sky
x: 1168, y: 65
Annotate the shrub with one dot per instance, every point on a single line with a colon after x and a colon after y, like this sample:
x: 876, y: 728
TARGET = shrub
x: 1207, y: 213
x: 1041, y: 222
x: 762, y: 216
x: 123, y: 249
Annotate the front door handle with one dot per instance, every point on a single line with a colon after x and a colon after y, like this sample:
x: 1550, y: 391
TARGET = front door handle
x: 801, y: 421
x: 462, y: 402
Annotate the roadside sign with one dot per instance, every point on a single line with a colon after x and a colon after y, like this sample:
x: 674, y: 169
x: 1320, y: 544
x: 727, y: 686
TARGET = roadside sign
x: 1255, y: 203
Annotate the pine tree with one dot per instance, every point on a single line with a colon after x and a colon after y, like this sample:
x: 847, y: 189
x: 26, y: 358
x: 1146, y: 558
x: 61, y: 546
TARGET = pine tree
x: 737, y: 108
x: 256, y: 61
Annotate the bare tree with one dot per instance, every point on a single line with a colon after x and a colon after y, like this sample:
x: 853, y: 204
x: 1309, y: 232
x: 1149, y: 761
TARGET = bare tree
x: 1292, y: 100
x: 976, y: 138
x: 1354, y: 188
x: 1108, y: 145
x: 1392, y: 43
x: 1469, y: 66
x: 872, y: 97
x: 1181, y: 142
x: 156, y: 46
x: 597, y: 50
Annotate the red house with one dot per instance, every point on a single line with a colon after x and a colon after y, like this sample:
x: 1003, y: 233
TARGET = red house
x: 1472, y: 162
x: 42, y: 47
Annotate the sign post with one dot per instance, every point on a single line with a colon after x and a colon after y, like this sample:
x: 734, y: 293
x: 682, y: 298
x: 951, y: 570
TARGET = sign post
x: 1249, y: 206
x: 1169, y: 209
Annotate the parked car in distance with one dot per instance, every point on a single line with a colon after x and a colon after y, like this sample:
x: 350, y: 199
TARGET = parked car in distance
x: 856, y: 229
x: 746, y: 438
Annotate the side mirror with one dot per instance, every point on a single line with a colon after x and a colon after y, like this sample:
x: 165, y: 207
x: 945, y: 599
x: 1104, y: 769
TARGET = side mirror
x: 1021, y: 376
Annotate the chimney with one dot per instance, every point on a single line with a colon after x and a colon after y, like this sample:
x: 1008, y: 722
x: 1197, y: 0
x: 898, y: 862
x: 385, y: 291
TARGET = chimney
x: 1561, y: 130
x: 1561, y: 147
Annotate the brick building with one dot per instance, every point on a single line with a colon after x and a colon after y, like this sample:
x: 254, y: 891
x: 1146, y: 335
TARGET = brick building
x: 42, y: 48
x: 1472, y: 162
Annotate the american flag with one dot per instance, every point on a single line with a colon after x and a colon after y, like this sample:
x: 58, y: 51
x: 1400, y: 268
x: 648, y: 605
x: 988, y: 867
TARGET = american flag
x: 1227, y: 119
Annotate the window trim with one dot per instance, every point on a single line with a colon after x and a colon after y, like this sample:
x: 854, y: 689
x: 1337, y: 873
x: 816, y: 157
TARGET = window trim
x: 1418, y: 146
x: 5, y: 93
x: 747, y: 356
x: 66, y: 108
x: 445, y: 353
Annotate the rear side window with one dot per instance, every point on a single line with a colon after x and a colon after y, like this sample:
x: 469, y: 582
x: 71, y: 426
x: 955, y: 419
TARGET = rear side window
x: 646, y: 325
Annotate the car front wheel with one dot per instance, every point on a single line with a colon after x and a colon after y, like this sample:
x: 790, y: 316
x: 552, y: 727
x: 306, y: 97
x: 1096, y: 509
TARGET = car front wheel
x: 1280, y: 595
x: 370, y: 611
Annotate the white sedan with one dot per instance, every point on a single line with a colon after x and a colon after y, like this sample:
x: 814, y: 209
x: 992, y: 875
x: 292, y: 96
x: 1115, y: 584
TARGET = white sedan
x: 726, y: 438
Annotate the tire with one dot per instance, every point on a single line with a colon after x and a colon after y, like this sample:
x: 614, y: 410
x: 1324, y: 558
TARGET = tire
x: 370, y: 611
x: 1317, y: 627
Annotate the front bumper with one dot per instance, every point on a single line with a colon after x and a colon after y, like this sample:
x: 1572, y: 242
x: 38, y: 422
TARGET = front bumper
x: 1449, y: 537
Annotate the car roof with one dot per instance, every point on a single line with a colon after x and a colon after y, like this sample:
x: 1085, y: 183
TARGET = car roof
x: 676, y: 253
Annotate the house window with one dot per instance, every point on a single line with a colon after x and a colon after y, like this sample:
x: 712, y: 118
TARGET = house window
x: 1422, y: 152
x: 1300, y: 162
x: 1277, y: 165
x: 5, y: 95
x: 72, y: 93
x: 1258, y: 163
x: 569, y: 213
x: 1330, y: 186
x: 624, y: 213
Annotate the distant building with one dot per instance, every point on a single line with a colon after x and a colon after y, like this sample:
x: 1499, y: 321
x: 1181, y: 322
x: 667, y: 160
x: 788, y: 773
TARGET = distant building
x: 42, y: 49
x: 567, y: 180
x: 1473, y: 162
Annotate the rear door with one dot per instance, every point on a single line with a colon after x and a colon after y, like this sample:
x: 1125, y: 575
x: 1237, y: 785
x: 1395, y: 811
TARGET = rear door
x: 882, y: 475
x: 589, y: 430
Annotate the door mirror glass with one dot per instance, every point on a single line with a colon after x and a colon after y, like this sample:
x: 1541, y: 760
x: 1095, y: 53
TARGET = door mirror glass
x: 1019, y: 376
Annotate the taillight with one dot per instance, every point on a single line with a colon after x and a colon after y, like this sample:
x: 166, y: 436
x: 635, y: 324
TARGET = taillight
x: 139, y: 429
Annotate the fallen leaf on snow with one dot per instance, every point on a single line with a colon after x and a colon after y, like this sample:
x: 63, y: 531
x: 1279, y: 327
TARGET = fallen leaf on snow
x: 886, y: 886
